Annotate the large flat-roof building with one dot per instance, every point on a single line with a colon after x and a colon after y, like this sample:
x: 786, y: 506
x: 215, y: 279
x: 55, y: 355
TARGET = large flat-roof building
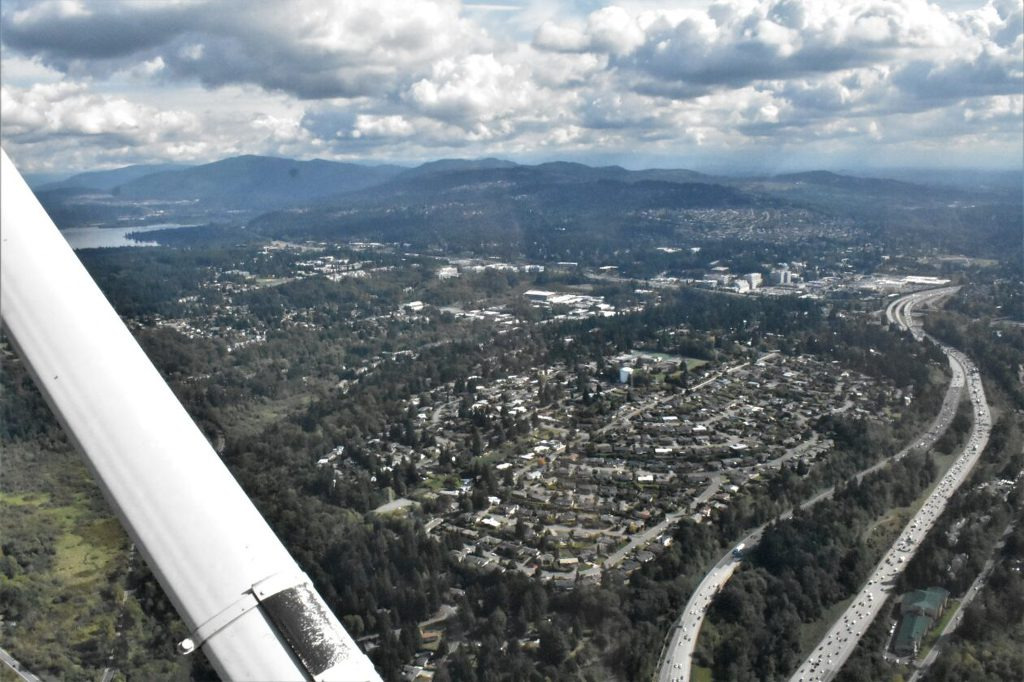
x: 539, y: 295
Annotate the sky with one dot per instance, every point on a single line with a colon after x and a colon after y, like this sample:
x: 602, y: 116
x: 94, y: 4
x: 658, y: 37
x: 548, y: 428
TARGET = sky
x: 733, y: 84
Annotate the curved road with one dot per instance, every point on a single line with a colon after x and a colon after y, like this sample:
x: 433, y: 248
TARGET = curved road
x: 677, y: 656
x: 835, y: 648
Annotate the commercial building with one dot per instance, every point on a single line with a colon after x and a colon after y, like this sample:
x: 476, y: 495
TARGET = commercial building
x: 539, y: 295
x: 919, y: 610
x: 447, y: 272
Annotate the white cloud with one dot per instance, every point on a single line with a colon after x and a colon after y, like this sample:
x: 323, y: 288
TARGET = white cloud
x: 992, y: 109
x: 551, y: 36
x: 419, y: 77
x: 25, y: 72
x: 58, y: 126
x: 49, y: 11
x: 613, y: 30
x: 308, y: 48
x: 368, y: 125
x: 477, y: 92
x: 70, y: 109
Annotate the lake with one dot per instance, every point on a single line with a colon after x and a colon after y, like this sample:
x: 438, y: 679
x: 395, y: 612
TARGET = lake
x: 111, y: 237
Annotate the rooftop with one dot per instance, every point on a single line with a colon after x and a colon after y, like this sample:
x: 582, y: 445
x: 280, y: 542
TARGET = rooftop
x: 929, y: 602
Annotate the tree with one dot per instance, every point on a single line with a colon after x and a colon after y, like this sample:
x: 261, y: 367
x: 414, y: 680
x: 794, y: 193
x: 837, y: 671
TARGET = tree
x: 553, y: 645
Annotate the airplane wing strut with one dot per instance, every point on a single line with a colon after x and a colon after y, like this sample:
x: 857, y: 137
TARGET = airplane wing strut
x: 245, y: 600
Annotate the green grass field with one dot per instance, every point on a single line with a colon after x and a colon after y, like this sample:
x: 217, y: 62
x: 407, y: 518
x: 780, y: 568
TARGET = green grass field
x: 701, y: 674
x: 811, y: 633
x: 65, y: 559
x: 933, y: 634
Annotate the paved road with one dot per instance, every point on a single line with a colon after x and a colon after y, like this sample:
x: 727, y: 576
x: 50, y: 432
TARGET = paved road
x: 901, y: 310
x: 438, y: 412
x: 636, y: 541
x: 676, y: 661
x: 677, y: 656
x: 835, y: 648
x: 954, y: 622
x: 394, y: 505
x: 18, y: 669
x: 621, y: 419
x: 643, y: 538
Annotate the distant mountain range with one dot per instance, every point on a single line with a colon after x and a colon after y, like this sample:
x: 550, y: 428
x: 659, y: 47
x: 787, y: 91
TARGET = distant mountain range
x: 107, y: 180
x: 548, y: 209
x: 255, y: 182
x: 272, y: 180
x: 260, y: 183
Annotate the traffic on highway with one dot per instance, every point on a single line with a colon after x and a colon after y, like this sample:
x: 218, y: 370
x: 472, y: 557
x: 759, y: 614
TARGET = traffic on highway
x: 676, y: 660
x: 833, y: 651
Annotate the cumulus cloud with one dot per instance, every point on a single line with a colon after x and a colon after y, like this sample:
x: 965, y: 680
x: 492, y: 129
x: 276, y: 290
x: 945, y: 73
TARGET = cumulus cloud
x: 343, y: 130
x: 477, y: 89
x: 69, y: 109
x: 684, y: 54
x: 62, y: 125
x: 987, y: 73
x: 1001, y: 108
x: 306, y: 48
x: 611, y: 30
x: 551, y: 36
x: 414, y: 77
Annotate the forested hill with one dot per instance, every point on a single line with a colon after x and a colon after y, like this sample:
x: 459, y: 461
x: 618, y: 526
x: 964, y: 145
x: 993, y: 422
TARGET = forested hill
x: 554, y: 187
x: 570, y: 211
x: 557, y: 210
x: 106, y: 180
x: 548, y: 212
x: 256, y: 181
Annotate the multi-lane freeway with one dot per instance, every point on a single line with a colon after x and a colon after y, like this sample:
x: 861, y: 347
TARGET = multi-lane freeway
x: 901, y: 310
x: 837, y: 645
x: 676, y: 659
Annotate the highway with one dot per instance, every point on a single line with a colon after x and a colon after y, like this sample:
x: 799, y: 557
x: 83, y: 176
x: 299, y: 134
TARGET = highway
x: 14, y: 665
x: 676, y: 661
x: 901, y: 310
x: 840, y: 641
x: 954, y: 622
x: 677, y: 656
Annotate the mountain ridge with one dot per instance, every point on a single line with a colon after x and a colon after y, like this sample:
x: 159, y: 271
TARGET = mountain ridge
x: 256, y: 182
x: 106, y: 180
